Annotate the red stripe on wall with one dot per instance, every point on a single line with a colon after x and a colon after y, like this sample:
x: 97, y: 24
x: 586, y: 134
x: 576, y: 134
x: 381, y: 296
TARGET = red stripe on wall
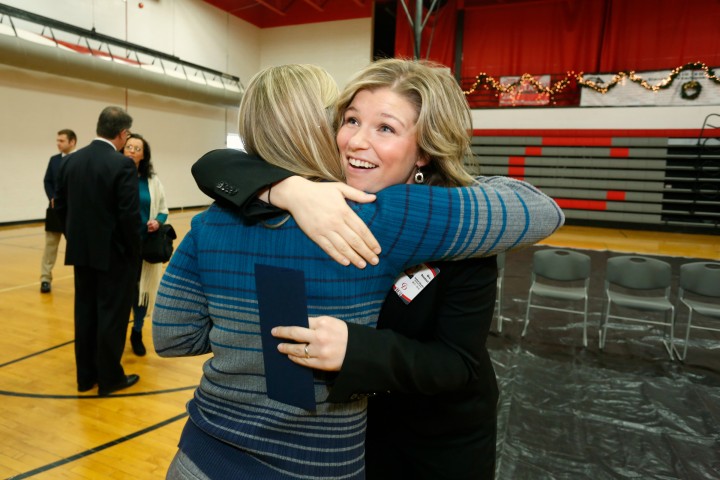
x: 533, y: 151
x: 665, y: 132
x: 620, y: 152
x: 577, y: 141
x: 516, y: 172
x: 516, y: 167
x: 615, y: 195
x: 581, y: 204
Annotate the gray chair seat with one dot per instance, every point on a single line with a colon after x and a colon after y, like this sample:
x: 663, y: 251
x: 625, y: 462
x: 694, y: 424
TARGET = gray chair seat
x: 699, y: 286
x: 649, y: 304
x: 559, y: 274
x: 632, y: 282
x: 567, y: 293
x: 703, y: 308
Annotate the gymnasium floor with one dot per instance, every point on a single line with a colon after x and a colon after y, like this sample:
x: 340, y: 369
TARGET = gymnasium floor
x: 566, y: 412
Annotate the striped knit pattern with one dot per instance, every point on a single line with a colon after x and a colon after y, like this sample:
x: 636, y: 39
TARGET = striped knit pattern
x: 207, y: 303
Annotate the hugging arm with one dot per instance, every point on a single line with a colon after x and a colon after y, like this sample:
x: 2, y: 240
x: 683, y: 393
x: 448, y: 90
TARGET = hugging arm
x: 234, y: 178
x: 494, y: 215
x: 237, y: 179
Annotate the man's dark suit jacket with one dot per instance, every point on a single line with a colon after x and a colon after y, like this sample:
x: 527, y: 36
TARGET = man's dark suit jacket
x: 440, y: 421
x: 52, y: 222
x: 97, y: 197
x: 50, y: 180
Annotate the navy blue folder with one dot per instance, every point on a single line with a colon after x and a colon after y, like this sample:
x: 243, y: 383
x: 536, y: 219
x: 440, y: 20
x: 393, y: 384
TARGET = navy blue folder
x: 282, y: 302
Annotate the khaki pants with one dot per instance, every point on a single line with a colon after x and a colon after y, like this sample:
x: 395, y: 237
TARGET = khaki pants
x: 52, y: 240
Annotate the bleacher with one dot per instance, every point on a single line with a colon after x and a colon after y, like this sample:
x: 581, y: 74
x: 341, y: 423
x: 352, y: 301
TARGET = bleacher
x: 647, y: 178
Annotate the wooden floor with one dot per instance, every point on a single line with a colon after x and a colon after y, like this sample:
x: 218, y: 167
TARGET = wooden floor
x: 48, y: 431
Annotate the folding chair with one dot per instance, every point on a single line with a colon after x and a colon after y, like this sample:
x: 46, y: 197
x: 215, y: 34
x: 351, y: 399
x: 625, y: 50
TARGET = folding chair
x: 639, y: 280
x: 702, y: 281
x: 499, y: 296
x: 561, y: 275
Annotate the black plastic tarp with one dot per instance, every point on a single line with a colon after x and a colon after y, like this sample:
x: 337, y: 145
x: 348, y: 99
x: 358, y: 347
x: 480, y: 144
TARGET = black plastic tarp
x: 627, y: 412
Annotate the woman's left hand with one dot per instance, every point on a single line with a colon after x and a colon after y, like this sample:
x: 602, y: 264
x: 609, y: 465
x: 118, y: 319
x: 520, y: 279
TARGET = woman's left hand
x: 153, y: 225
x: 322, y: 346
x: 321, y: 211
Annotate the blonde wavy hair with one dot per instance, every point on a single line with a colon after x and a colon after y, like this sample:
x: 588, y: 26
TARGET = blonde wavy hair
x: 444, y: 123
x: 286, y: 117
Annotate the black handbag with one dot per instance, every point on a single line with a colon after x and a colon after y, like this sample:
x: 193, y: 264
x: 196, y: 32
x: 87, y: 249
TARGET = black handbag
x: 53, y: 223
x: 158, y: 246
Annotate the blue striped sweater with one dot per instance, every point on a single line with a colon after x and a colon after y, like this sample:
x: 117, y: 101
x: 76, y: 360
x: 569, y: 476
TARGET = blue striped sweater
x: 207, y: 303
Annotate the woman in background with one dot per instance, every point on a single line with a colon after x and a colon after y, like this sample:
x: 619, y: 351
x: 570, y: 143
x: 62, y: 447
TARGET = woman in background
x: 153, y: 213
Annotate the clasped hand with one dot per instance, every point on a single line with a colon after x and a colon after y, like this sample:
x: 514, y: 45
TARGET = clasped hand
x: 322, y: 212
x: 326, y: 342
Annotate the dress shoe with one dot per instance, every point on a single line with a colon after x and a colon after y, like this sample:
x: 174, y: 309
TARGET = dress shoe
x: 129, y: 381
x: 137, y: 343
x: 45, y: 287
x: 84, y: 387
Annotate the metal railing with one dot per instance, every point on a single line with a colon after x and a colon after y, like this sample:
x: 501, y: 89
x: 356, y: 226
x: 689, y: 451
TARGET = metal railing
x: 51, y: 32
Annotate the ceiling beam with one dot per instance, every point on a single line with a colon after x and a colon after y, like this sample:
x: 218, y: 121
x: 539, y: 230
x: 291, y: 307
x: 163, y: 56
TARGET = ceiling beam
x: 320, y: 6
x: 271, y: 7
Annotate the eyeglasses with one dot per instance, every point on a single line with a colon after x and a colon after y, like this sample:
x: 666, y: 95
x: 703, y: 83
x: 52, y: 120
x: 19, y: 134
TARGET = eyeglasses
x: 136, y: 149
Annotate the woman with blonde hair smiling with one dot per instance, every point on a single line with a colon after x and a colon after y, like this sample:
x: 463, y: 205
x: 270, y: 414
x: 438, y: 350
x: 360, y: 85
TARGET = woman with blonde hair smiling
x: 208, y: 299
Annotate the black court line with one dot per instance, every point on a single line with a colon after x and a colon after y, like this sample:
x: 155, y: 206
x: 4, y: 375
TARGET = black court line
x: 100, y: 448
x: 8, y: 393
x: 36, y: 353
x: 75, y: 397
x: 42, y: 351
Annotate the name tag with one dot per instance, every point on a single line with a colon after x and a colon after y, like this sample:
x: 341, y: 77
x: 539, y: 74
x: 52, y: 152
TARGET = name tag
x: 410, y: 283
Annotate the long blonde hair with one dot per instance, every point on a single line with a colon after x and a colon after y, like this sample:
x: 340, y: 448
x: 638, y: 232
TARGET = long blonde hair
x: 286, y: 117
x: 444, y: 122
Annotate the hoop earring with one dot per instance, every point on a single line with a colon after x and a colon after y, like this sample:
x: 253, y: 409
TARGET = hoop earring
x: 419, y: 176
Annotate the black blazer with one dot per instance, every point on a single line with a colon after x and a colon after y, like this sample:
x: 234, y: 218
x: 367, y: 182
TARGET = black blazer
x: 97, y: 198
x: 439, y: 419
x: 433, y: 413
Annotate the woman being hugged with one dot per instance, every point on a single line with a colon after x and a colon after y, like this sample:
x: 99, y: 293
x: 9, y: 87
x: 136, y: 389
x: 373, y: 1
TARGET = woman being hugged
x: 153, y: 213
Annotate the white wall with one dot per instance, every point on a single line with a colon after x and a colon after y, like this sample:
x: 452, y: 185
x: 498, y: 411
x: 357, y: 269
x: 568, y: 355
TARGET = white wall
x: 36, y: 105
x: 342, y: 48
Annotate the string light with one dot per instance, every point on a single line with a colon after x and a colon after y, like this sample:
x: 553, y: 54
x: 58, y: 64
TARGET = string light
x: 485, y: 81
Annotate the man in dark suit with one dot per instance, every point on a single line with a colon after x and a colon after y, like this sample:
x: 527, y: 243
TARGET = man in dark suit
x: 66, y: 141
x: 98, y: 200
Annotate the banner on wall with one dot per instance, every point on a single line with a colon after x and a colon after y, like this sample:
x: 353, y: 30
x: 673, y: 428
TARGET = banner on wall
x: 690, y: 87
x: 525, y: 94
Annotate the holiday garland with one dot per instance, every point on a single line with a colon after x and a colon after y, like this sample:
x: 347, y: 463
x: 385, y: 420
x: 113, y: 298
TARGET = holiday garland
x: 690, y: 90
